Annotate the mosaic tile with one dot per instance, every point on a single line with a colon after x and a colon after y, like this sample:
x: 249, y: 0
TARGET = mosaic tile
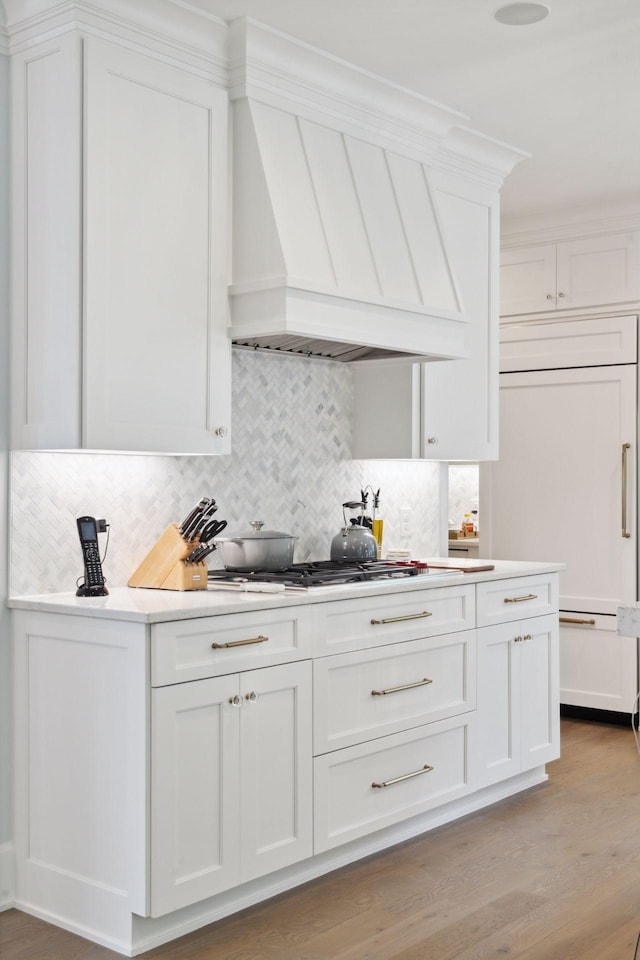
x: 290, y: 467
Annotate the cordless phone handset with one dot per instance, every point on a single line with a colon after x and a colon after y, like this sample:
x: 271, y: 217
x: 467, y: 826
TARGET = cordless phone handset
x: 94, y: 584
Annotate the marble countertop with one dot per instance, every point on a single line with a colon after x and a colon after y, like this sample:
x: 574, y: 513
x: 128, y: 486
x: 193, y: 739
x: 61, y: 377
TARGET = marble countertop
x: 156, y: 606
x: 628, y: 620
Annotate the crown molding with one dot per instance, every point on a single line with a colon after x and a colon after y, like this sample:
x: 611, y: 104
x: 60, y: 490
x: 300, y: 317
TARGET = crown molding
x: 273, y: 68
x: 172, y: 29
x: 572, y: 223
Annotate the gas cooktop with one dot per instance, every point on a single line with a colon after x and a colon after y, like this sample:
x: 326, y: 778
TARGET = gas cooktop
x: 323, y: 573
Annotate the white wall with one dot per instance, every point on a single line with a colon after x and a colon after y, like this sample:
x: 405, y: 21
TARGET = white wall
x: 5, y: 661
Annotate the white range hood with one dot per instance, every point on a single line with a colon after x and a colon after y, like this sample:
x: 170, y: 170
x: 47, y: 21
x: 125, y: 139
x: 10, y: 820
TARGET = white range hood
x: 338, y: 248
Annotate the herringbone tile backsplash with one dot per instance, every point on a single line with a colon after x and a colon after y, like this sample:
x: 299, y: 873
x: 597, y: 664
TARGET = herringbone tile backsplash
x: 290, y: 467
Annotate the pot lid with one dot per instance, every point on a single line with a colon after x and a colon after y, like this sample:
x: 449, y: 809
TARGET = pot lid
x: 257, y: 533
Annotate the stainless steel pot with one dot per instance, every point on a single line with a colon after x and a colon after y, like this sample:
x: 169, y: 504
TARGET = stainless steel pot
x: 258, y: 550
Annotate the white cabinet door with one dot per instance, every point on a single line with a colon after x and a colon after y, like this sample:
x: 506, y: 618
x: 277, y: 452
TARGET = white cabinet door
x: 231, y: 781
x: 598, y: 270
x: 195, y: 792
x: 556, y: 493
x: 460, y: 397
x: 528, y: 280
x: 497, y: 745
x: 275, y: 768
x: 597, y: 667
x: 597, y: 342
x: 518, y: 722
x: 156, y: 351
x: 46, y: 255
x: 539, y: 689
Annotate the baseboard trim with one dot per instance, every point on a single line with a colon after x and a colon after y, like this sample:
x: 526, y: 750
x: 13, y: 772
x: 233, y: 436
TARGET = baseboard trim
x: 597, y: 716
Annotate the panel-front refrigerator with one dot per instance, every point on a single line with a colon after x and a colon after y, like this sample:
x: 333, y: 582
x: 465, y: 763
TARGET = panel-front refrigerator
x: 564, y: 489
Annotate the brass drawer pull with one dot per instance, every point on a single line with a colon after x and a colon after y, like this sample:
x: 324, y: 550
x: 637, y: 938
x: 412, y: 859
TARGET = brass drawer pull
x: 409, y: 616
x: 591, y: 622
x: 238, y: 643
x: 405, y: 686
x: 407, y: 776
x: 626, y: 534
x: 529, y: 596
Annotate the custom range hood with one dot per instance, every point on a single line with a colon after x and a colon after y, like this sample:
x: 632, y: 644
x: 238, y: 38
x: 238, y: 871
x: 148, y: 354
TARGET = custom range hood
x: 338, y: 246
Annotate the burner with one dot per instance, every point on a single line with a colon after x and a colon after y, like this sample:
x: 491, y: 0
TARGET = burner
x: 320, y: 573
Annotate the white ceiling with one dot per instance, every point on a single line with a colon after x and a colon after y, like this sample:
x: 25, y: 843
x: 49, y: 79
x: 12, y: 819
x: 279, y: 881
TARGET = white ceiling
x: 566, y: 89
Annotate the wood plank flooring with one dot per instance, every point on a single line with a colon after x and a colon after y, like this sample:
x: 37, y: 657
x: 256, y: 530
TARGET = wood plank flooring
x: 553, y: 874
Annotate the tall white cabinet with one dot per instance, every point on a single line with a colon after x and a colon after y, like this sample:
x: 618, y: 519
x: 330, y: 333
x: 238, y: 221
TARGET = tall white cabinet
x: 565, y: 489
x: 120, y: 338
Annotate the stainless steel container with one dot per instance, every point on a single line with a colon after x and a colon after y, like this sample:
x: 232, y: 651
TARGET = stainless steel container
x: 354, y: 543
x: 258, y: 550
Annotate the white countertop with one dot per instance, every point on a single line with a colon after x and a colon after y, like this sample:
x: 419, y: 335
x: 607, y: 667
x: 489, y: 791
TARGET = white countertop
x: 628, y: 620
x: 156, y: 606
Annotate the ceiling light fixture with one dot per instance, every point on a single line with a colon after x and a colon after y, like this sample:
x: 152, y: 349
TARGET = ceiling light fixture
x: 521, y: 14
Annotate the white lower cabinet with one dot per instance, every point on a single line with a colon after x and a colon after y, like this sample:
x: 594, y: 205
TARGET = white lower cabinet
x: 171, y: 773
x: 518, y: 723
x: 230, y: 781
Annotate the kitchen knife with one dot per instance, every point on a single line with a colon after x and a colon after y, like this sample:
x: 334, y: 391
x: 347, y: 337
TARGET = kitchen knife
x: 207, y: 546
x: 190, y: 530
x: 192, y: 515
x: 200, y: 553
x: 198, y: 532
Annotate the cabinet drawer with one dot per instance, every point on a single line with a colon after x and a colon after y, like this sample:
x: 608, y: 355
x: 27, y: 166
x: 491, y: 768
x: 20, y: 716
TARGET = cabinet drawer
x: 500, y: 601
x: 414, y: 772
x: 367, y: 694
x: 211, y: 646
x: 346, y: 625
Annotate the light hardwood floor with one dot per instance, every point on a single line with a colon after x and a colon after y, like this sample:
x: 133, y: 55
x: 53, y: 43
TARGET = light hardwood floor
x: 553, y: 874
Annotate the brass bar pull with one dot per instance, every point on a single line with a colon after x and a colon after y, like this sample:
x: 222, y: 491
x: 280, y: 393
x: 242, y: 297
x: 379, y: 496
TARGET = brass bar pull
x: 591, y: 622
x: 405, y: 686
x: 625, y: 533
x: 407, y: 776
x: 409, y: 616
x: 238, y: 643
x: 529, y: 596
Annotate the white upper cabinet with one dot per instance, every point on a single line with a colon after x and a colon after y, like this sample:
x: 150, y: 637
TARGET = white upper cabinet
x: 119, y: 220
x: 443, y: 411
x: 574, y: 274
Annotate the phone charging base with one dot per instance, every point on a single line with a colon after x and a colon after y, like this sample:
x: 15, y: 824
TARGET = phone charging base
x: 85, y: 591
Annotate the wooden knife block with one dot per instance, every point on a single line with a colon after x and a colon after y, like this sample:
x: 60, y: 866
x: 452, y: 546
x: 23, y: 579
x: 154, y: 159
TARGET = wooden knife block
x: 164, y: 568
